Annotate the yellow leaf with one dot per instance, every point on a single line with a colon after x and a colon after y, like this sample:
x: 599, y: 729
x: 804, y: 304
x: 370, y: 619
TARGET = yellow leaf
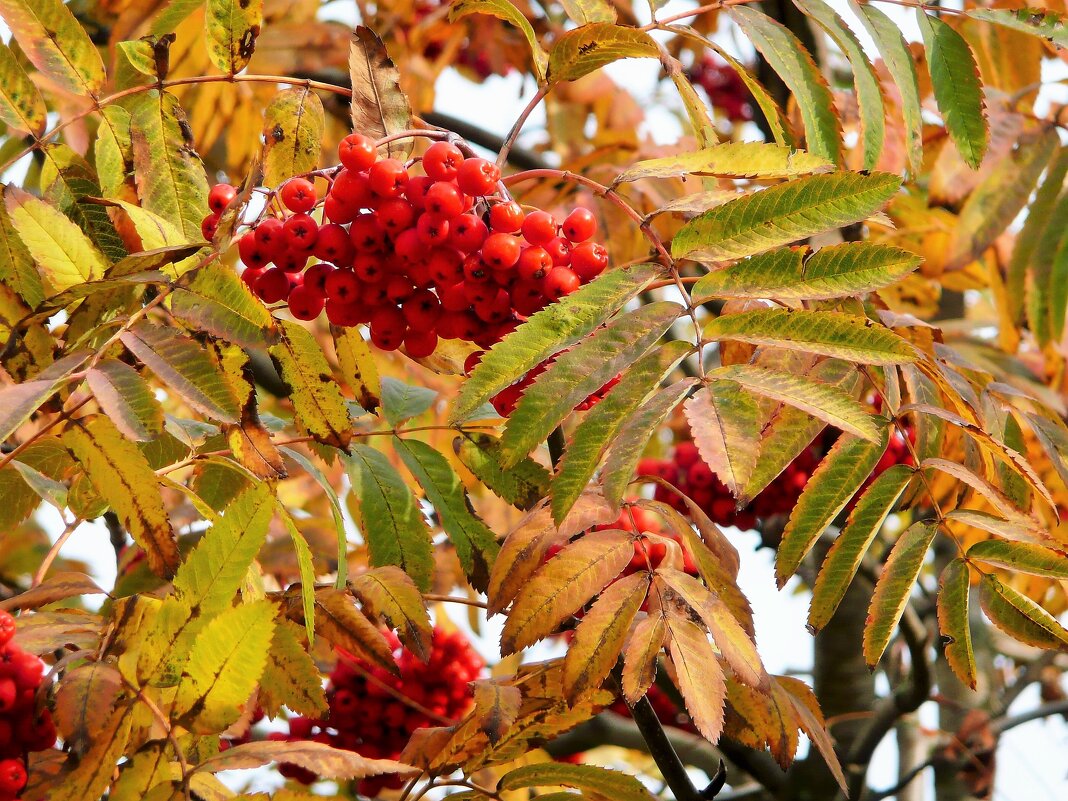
x: 639, y: 660
x: 563, y: 586
x: 697, y: 675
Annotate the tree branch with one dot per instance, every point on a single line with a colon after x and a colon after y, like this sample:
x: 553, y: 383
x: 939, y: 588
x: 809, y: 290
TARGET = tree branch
x: 902, y: 701
x: 1004, y: 724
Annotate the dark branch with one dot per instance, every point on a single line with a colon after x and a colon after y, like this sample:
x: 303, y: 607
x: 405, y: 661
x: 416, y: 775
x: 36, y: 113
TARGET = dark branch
x: 1003, y: 724
x: 902, y: 701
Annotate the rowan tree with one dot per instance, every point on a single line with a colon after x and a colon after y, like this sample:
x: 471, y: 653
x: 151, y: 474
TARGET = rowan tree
x: 346, y: 387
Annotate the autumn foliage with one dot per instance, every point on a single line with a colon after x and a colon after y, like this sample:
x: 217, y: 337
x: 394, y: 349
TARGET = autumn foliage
x: 423, y: 456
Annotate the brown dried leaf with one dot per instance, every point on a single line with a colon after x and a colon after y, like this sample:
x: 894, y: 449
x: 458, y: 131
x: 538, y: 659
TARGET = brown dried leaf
x: 379, y: 107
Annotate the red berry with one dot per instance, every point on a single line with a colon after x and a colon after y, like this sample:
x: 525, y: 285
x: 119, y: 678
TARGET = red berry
x: 506, y: 218
x: 589, y: 260
x: 501, y: 251
x: 454, y: 297
x: 298, y: 195
x: 220, y: 196
x: 444, y: 200
x: 395, y: 215
x: 467, y: 232
x: 208, y: 226
x: 369, y: 267
x: 539, y: 227
x: 560, y: 251
x: 442, y: 160
x: 534, y: 264
x: 399, y: 288
x: 342, y: 286
x: 270, y: 236
x: 445, y: 266
x: 478, y: 177
x: 9, y: 693
x: 420, y: 344
x: 579, y: 225
x: 334, y: 245
x: 305, y: 302
x: 316, y: 275
x: 407, y: 247
x: 416, y: 190
x: 422, y: 310
x: 351, y: 189
x: 343, y: 313
x: 251, y: 275
x: 301, y: 232
x: 273, y: 285
x: 12, y: 777
x: 560, y: 282
x: 367, y: 234
x: 432, y: 230
x: 388, y: 328
x: 357, y: 152
x: 7, y: 628
x: 387, y: 178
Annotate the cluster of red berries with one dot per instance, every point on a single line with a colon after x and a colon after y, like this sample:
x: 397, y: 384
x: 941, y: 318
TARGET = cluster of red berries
x: 374, y: 712
x: 22, y: 729
x: 686, y: 470
x: 649, y: 552
x: 725, y: 88
x: 418, y: 258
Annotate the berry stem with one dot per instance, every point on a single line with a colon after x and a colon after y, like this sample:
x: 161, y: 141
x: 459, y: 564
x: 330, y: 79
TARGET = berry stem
x: 513, y: 134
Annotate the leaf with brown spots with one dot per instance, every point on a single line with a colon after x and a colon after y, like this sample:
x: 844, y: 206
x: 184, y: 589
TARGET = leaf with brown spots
x: 293, y: 126
x: 496, y: 708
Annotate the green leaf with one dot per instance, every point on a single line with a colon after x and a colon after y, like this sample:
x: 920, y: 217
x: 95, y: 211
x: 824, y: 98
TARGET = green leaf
x: 843, y: 559
x: 212, y: 574
x: 390, y: 519
x: 126, y: 398
x: 576, y: 374
x: 1019, y: 616
x: 1041, y: 22
x: 773, y: 115
x: 957, y: 86
x: 503, y: 9
x: 783, y: 214
x: 63, y: 253
x: 70, y: 184
x: 112, y: 151
x: 599, y: 781
x: 587, y: 48
x: 122, y: 476
x: 623, y: 456
x: 290, y: 677
x: 790, y: 430
x: 293, y: 128
x: 731, y: 159
x: 317, y: 400
x: 232, y: 27
x: 869, y: 94
x: 389, y: 592
x: 902, y: 68
x: 953, y: 623
x: 593, y: 436
x: 183, y: 365
x: 704, y: 130
x: 1002, y: 194
x: 1027, y: 248
x: 841, y: 473
x: 1023, y: 557
x: 56, y: 43
x: 17, y: 267
x: 821, y: 332
x: 476, y: 545
x: 894, y: 587
x: 799, y: 72
x: 723, y: 422
x: 521, y: 485
x: 379, y: 107
x: 824, y: 401
x: 224, y: 667
x: 169, y: 174
x: 219, y: 302
x: 304, y: 561
x: 557, y: 325
x: 401, y: 401
x: 851, y: 268
x: 21, y: 104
